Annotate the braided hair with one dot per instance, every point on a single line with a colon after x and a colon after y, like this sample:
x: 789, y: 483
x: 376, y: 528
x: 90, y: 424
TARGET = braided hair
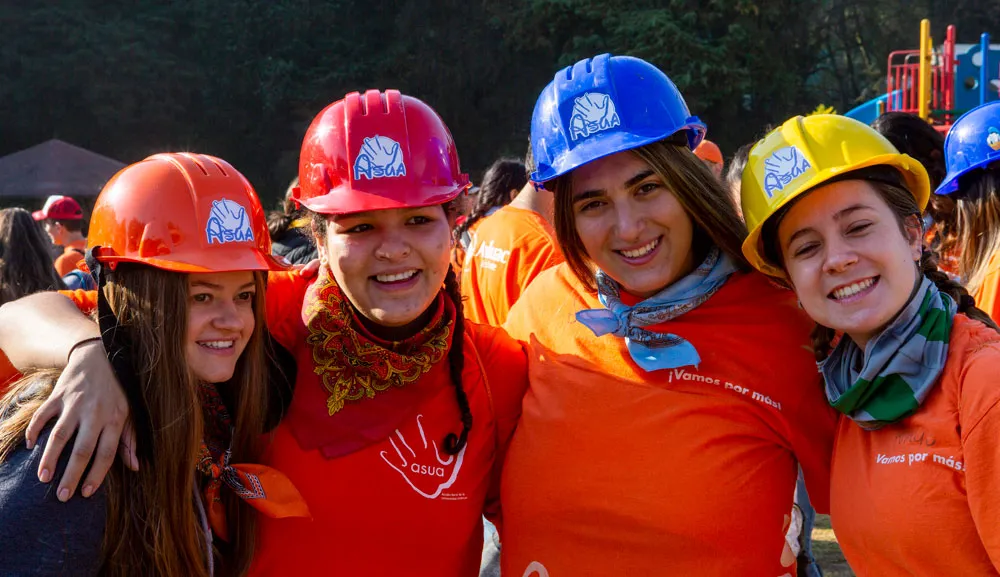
x: 453, y: 444
x: 503, y: 176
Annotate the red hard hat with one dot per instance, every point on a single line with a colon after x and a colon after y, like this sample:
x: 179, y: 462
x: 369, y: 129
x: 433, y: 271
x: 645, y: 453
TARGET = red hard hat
x: 377, y: 151
x: 181, y: 212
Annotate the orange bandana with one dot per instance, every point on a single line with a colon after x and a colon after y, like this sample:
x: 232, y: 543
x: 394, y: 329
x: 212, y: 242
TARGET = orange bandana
x: 265, y: 489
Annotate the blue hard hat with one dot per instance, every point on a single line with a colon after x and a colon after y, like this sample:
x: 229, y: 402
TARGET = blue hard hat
x: 973, y: 142
x: 604, y: 105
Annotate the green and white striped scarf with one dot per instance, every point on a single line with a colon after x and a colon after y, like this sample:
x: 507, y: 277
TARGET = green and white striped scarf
x: 897, y: 370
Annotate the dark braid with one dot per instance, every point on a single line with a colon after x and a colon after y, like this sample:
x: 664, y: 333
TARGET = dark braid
x: 822, y: 341
x: 456, y: 361
x: 966, y: 303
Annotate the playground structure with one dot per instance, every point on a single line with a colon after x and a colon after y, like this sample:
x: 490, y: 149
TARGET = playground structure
x: 937, y: 84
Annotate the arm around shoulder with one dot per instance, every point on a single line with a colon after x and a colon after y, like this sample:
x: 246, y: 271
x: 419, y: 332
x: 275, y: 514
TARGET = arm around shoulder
x: 979, y: 418
x: 41, y: 330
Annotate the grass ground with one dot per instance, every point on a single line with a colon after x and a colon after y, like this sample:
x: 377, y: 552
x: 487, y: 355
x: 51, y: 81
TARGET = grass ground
x: 826, y: 550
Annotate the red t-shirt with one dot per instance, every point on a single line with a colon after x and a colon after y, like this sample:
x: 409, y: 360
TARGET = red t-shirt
x: 400, y: 505
x: 617, y: 471
x: 919, y: 497
x: 509, y: 249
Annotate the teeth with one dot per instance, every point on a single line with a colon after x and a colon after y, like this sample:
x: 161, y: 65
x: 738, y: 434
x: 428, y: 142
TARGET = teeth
x: 395, y: 277
x: 642, y: 250
x: 217, y: 344
x: 850, y: 290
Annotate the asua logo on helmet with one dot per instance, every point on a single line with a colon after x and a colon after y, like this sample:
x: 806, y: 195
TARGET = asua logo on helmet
x: 380, y: 157
x: 228, y: 222
x: 782, y: 167
x: 592, y: 113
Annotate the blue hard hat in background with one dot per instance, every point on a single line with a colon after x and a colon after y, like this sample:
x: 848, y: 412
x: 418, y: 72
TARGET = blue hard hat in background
x: 604, y: 105
x: 973, y: 142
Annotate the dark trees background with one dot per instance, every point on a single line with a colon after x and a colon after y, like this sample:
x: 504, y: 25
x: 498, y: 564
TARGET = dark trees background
x: 241, y: 79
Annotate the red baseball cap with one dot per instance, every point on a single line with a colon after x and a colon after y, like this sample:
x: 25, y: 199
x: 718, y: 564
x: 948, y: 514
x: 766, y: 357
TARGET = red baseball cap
x: 59, y: 208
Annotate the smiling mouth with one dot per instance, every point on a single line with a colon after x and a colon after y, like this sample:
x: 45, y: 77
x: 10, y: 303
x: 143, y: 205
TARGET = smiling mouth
x: 642, y: 250
x: 217, y: 345
x: 396, y: 277
x: 853, y: 290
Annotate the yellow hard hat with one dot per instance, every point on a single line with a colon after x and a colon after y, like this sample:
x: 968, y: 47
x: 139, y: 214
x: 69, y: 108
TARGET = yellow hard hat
x: 802, y: 154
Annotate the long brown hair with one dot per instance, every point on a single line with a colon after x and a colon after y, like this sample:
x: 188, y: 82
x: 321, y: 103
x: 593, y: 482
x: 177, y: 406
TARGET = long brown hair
x: 25, y: 262
x: 152, y: 526
x: 978, y: 203
x: 891, y: 189
x: 708, y: 204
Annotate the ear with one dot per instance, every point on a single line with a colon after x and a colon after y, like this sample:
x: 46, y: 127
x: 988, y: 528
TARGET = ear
x: 914, y: 229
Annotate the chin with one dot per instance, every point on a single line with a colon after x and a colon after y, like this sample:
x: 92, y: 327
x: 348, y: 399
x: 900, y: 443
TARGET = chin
x: 214, y: 375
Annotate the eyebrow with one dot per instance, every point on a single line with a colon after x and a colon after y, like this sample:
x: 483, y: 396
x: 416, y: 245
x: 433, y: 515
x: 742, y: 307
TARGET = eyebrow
x: 840, y: 215
x: 206, y: 284
x: 587, y: 194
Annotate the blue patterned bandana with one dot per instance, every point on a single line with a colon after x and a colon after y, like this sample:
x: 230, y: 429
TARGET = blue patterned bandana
x: 651, y: 350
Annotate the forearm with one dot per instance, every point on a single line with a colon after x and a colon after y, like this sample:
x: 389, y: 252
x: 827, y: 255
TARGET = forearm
x: 40, y: 330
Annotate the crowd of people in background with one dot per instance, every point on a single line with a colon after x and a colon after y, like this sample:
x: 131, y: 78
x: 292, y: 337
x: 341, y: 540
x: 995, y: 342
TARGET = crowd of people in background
x: 601, y: 360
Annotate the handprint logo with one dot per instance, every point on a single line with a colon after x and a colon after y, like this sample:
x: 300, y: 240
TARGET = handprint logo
x: 426, y: 472
x: 782, y: 167
x: 592, y: 112
x: 228, y: 222
x: 380, y: 157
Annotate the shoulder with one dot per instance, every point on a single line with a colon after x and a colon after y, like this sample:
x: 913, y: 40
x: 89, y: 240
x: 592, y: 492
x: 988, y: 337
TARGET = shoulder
x: 503, y: 363
x: 973, y: 364
x: 493, y: 347
x: 38, y: 534
x: 554, y: 293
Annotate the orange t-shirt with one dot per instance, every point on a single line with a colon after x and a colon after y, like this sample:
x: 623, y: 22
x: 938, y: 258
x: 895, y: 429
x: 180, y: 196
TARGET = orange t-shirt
x: 920, y: 497
x: 617, y: 471
x: 400, y: 505
x: 509, y: 249
x: 67, y: 261
x: 986, y: 296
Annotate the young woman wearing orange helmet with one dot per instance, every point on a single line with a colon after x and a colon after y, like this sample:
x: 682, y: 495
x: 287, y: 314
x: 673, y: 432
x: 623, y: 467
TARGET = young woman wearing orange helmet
x: 396, y: 431
x: 179, y: 249
x: 835, y: 211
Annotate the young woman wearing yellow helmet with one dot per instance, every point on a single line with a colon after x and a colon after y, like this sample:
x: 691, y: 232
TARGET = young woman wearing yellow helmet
x: 834, y: 211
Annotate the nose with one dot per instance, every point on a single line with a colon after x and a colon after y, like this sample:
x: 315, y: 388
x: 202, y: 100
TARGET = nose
x: 629, y: 222
x: 393, y: 247
x: 839, y: 256
x: 228, y: 317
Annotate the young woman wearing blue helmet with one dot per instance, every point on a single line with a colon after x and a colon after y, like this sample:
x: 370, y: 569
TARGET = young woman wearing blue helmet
x: 972, y: 155
x: 673, y: 391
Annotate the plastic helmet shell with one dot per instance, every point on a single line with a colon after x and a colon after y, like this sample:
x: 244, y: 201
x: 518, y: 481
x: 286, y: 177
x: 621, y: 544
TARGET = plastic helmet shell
x: 804, y: 153
x: 973, y: 142
x: 601, y: 106
x: 377, y: 151
x: 181, y: 212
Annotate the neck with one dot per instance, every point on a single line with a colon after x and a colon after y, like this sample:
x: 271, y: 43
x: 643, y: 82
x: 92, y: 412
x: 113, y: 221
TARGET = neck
x: 72, y: 237
x: 397, y: 333
x: 535, y: 200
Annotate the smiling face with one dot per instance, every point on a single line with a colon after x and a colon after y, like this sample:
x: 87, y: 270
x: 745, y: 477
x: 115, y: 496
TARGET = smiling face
x: 851, y: 265
x: 631, y: 225
x: 390, y: 264
x: 220, y: 322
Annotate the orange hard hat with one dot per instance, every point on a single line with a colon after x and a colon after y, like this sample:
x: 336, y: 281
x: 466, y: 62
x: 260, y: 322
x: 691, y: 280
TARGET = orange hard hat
x: 181, y: 212
x: 709, y: 151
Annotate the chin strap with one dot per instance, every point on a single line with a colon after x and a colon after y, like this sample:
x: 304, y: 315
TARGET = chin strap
x: 118, y: 346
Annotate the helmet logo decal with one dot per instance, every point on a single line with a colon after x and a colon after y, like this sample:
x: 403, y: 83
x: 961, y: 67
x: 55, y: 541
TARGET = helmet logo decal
x: 228, y: 222
x: 593, y: 112
x: 993, y: 138
x: 380, y: 157
x: 782, y: 167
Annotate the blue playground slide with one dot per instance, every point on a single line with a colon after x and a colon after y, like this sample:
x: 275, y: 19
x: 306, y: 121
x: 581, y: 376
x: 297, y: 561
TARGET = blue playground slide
x: 869, y: 111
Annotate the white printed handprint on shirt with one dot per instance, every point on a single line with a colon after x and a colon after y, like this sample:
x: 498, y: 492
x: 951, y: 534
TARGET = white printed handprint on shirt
x: 423, y: 469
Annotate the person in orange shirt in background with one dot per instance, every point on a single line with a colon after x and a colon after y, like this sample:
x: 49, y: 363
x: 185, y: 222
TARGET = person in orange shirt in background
x: 672, y: 392
x: 972, y: 155
x: 62, y: 219
x: 710, y: 154
x: 916, y: 459
x: 507, y: 246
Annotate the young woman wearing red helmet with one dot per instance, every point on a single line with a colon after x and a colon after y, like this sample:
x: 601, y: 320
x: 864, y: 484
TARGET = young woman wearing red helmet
x: 179, y: 249
x: 401, y: 410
